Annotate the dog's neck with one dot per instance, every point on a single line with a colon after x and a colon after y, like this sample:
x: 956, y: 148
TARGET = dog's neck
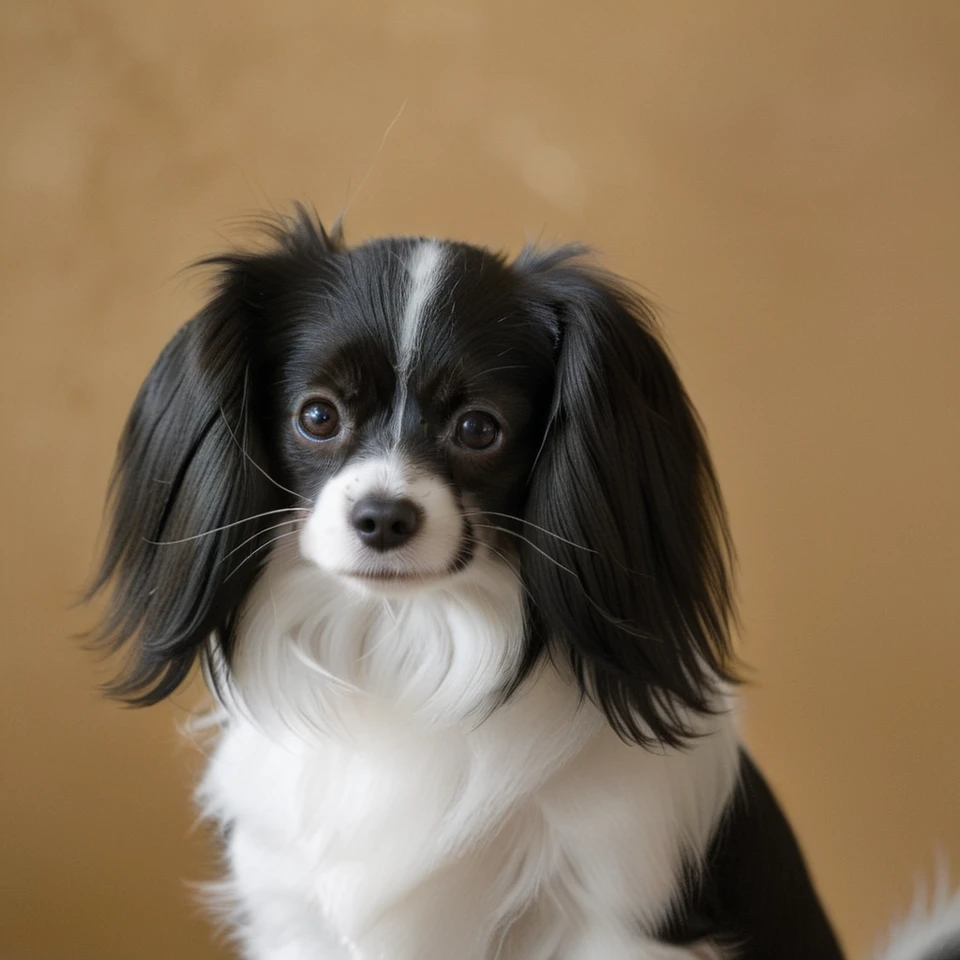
x: 318, y: 655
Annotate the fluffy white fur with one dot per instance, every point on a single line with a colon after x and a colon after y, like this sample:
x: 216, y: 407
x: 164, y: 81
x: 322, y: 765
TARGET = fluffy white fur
x: 542, y: 836
x: 930, y: 925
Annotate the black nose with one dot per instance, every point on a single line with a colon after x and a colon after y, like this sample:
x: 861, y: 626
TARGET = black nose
x: 384, y: 524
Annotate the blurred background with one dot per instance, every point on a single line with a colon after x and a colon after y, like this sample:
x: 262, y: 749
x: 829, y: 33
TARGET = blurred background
x: 783, y: 178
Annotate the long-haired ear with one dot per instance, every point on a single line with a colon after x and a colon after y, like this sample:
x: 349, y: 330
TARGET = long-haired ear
x: 628, y: 556
x: 192, y: 498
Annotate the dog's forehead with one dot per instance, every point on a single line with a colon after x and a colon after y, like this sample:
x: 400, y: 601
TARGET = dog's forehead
x: 426, y: 290
x: 420, y: 305
x: 425, y: 322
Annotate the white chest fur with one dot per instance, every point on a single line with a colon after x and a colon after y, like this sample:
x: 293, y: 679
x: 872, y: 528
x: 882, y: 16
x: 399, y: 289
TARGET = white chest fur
x: 460, y: 844
x: 532, y: 833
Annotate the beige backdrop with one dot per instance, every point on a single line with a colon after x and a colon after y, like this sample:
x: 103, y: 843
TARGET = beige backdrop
x: 783, y: 177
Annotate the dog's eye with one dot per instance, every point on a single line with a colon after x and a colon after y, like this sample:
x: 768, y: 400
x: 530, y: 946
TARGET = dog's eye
x: 477, y: 430
x: 319, y: 420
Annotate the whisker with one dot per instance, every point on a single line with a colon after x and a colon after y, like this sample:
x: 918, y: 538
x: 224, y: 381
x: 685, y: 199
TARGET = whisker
x: 254, y: 552
x: 226, y: 526
x: 507, y: 563
x: 259, y: 533
x: 247, y: 456
x: 529, y: 542
x: 530, y: 523
x: 612, y: 619
x: 572, y: 543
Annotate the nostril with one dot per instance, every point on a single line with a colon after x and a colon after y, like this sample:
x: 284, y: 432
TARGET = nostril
x: 367, y: 525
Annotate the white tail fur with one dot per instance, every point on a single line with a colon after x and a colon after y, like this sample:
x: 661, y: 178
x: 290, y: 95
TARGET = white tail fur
x: 931, y: 930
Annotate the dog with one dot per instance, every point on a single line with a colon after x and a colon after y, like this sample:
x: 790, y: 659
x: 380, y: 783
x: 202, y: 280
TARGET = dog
x: 443, y: 532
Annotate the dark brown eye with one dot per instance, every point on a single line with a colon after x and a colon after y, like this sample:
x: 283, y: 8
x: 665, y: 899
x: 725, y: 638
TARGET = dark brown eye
x: 319, y: 420
x: 477, y: 430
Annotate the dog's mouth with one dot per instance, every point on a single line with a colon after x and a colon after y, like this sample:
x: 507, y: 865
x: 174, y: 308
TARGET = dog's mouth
x: 395, y: 583
x: 407, y: 576
x: 390, y: 577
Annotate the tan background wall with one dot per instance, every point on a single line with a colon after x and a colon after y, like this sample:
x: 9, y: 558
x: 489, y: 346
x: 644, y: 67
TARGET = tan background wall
x: 783, y: 177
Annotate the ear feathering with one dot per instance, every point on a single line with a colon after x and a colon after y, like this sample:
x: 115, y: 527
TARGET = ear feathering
x: 637, y: 596
x: 192, y: 505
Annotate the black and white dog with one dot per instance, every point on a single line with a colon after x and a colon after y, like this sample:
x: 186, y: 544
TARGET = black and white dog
x: 444, y: 534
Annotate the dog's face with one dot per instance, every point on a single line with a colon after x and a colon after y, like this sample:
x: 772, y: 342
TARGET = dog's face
x: 411, y: 410
x: 413, y: 388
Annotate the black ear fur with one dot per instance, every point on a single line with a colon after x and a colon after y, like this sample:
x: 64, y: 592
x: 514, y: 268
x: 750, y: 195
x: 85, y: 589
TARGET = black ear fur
x: 192, y: 477
x: 637, y: 594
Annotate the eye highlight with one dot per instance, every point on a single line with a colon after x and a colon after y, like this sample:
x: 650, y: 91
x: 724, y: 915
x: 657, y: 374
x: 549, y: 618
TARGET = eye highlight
x: 476, y: 430
x: 318, y: 419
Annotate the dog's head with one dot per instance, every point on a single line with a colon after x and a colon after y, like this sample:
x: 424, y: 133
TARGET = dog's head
x: 403, y: 412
